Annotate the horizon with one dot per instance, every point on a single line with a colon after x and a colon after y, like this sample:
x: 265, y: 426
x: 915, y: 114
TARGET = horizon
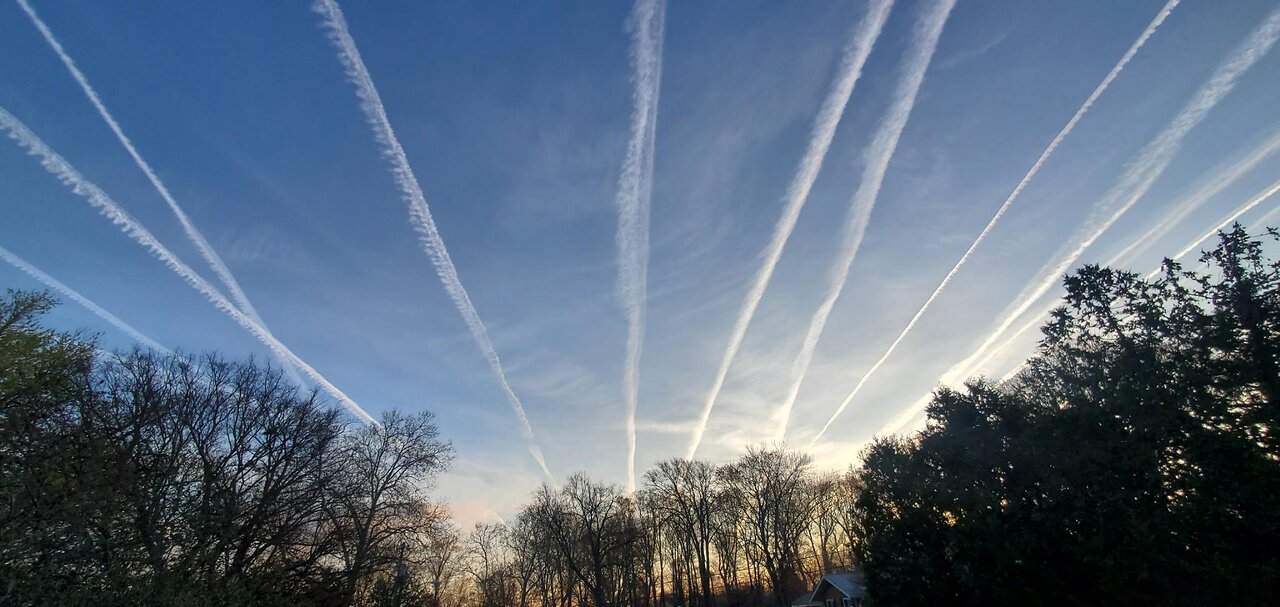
x: 531, y: 132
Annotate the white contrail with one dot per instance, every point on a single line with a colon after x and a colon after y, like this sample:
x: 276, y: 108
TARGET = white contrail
x: 1225, y: 222
x: 635, y: 187
x: 853, y: 58
x: 1151, y: 163
x: 1142, y: 174
x: 1265, y: 221
x: 75, y: 296
x: 68, y: 175
x: 1214, y: 186
x: 1008, y: 202
x: 1039, y: 318
x: 193, y: 233
x: 1221, y: 180
x: 419, y: 212
x: 904, y: 417
x: 928, y: 29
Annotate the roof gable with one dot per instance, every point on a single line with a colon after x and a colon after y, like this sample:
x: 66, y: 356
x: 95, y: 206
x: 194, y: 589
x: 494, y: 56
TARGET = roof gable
x: 848, y: 584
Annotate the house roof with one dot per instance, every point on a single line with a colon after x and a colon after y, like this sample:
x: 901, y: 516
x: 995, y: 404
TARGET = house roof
x: 803, y: 600
x: 849, y: 584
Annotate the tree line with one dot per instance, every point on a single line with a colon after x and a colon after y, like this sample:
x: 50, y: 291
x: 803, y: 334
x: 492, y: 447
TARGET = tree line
x: 1133, y: 459
x: 147, y: 479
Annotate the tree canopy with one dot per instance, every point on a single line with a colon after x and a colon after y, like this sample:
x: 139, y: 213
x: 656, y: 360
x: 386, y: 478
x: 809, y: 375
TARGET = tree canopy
x: 1133, y: 459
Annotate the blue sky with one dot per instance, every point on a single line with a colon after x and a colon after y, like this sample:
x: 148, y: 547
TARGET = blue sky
x: 516, y: 117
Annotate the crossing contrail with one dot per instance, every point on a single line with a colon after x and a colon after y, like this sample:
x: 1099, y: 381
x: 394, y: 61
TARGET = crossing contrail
x: 69, y: 176
x: 928, y: 29
x: 193, y: 233
x: 853, y: 58
x: 1134, y: 183
x: 635, y: 188
x: 1008, y: 202
x: 419, y: 213
x: 75, y: 296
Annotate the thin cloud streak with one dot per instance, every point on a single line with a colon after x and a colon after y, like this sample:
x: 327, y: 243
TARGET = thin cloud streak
x: 1265, y: 221
x: 419, y: 213
x: 1133, y: 185
x: 853, y: 58
x: 77, y: 297
x: 1142, y: 174
x: 664, y: 427
x: 1220, y: 181
x: 904, y: 417
x: 927, y: 31
x: 1222, y: 224
x: 1004, y: 208
x: 69, y: 176
x: 635, y: 188
x: 193, y: 233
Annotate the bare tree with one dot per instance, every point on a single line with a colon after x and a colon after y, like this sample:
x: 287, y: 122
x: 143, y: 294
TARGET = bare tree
x: 440, y: 556
x: 592, y: 528
x: 848, y: 518
x: 771, y: 488
x: 380, y: 496
x: 823, y: 534
x: 726, y: 536
x: 487, y: 560
x: 683, y: 492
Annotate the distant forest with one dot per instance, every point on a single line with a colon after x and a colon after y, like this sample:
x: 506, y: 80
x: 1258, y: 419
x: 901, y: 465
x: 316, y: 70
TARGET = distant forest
x: 1133, y: 460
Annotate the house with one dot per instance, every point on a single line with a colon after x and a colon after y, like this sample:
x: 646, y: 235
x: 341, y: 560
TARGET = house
x: 805, y: 600
x: 835, y: 590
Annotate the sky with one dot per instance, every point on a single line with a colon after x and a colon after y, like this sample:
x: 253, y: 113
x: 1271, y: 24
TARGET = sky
x: 607, y: 180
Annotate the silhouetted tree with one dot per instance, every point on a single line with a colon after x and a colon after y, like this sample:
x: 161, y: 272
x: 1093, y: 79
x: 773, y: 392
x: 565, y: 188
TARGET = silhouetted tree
x: 1133, y: 460
x: 592, y: 528
x: 143, y: 478
x: 379, y: 498
x: 772, y: 493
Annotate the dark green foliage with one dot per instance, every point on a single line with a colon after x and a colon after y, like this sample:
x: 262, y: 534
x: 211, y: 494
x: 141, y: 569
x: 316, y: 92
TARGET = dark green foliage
x: 1133, y: 461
